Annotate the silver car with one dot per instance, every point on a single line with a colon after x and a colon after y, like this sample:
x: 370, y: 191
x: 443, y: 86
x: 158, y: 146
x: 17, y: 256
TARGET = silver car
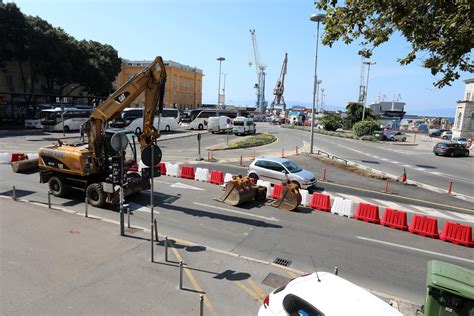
x: 276, y: 170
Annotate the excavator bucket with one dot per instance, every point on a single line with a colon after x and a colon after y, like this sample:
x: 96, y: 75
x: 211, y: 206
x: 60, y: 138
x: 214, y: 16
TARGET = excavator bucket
x: 238, y: 191
x: 24, y: 165
x: 290, y: 197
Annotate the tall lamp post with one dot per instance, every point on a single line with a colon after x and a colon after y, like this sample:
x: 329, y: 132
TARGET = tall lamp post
x: 223, y: 89
x: 369, y: 63
x: 220, y: 59
x: 315, y: 18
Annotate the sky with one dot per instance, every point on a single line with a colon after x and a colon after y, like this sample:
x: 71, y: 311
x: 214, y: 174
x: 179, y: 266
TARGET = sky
x: 196, y: 32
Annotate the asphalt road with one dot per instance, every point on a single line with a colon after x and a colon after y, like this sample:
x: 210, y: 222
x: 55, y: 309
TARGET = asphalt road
x: 379, y: 258
x: 419, y: 161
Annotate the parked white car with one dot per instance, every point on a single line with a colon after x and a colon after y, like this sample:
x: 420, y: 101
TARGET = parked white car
x: 218, y: 124
x: 324, y: 294
x: 397, y: 136
x: 447, y: 135
x: 460, y: 140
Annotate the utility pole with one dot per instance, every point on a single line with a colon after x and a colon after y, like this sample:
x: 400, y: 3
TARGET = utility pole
x: 220, y: 59
x: 315, y: 18
x: 223, y: 90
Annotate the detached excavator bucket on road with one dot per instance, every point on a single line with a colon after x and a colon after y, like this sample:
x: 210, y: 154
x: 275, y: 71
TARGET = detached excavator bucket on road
x: 237, y: 191
x: 290, y: 197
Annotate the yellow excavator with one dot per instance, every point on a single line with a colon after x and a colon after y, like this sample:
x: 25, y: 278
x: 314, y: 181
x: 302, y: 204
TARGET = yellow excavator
x: 90, y: 166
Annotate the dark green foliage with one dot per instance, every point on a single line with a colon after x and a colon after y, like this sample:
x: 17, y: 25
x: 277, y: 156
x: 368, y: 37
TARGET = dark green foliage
x: 367, y: 127
x: 440, y: 32
x: 354, y: 113
x: 54, y: 55
x: 331, y: 122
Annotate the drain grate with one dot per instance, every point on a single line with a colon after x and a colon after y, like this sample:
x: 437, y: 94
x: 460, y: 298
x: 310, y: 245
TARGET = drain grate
x: 282, y: 261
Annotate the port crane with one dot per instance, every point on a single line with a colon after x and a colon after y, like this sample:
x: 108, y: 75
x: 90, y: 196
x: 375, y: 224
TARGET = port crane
x: 280, y: 86
x: 260, y: 68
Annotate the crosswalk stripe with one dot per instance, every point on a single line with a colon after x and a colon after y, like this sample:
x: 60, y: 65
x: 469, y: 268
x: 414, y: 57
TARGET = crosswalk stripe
x: 431, y: 211
x: 463, y: 217
x: 388, y: 204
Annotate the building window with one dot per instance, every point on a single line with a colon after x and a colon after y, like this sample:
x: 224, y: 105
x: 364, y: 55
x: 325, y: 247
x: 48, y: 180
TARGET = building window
x: 471, y: 123
x: 458, y: 125
x: 129, y: 64
x: 468, y: 96
x: 9, y: 82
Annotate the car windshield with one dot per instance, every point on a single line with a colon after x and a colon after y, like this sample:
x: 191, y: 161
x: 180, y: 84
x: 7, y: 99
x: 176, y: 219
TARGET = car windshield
x: 291, y: 166
x: 462, y: 139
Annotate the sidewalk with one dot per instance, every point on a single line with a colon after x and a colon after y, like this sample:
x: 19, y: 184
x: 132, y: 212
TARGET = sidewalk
x: 55, y: 263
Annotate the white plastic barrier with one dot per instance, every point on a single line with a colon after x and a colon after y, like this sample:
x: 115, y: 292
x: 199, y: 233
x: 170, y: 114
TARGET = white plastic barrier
x: 201, y: 174
x: 32, y: 155
x: 5, y: 157
x: 266, y: 184
x: 304, y: 197
x: 342, y: 207
x: 174, y: 170
x: 168, y: 168
x: 228, y: 177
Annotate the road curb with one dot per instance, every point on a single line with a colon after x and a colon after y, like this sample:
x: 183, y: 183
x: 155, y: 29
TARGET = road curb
x: 421, y: 185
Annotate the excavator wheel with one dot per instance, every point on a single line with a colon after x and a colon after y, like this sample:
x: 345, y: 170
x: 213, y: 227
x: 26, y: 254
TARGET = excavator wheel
x: 95, y: 195
x: 56, y: 186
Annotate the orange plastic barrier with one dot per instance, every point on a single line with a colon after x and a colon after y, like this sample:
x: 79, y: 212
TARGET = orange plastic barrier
x: 277, y: 191
x: 18, y: 157
x: 457, y: 234
x: 367, y: 213
x: 321, y: 202
x: 424, y: 226
x: 187, y: 172
x: 394, y: 219
x: 217, y: 177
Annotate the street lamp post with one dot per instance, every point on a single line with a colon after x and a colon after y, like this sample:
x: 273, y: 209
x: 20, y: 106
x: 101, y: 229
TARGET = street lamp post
x: 223, y: 89
x: 367, y: 85
x: 220, y: 59
x: 315, y: 18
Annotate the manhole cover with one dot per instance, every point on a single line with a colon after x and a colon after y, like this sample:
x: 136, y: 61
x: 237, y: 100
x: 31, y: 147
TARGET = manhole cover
x: 275, y: 280
x: 282, y: 261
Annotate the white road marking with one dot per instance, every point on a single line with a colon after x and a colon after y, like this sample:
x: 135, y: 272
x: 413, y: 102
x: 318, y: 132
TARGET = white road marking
x: 145, y: 210
x: 406, y: 166
x: 384, y: 159
x: 431, y: 211
x: 416, y: 249
x: 238, y: 212
x: 180, y: 185
x: 436, y: 173
x: 388, y: 204
x: 420, y: 169
x: 464, y: 217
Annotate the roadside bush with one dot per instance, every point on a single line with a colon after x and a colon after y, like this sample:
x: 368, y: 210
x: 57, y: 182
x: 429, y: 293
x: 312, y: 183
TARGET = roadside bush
x: 331, y: 122
x: 368, y: 138
x: 364, y: 128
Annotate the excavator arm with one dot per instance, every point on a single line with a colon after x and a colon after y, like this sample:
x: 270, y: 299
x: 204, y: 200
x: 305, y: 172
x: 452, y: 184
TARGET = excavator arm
x: 152, y: 80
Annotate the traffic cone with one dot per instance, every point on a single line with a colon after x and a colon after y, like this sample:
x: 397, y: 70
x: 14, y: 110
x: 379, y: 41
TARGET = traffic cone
x: 404, y: 176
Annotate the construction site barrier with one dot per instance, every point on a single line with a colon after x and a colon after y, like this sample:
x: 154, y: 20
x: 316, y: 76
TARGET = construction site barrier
x: 320, y: 202
x: 277, y: 191
x: 18, y: 157
x: 172, y: 170
x: 228, y: 177
x: 202, y: 174
x: 342, y: 207
x: 217, y: 177
x: 394, y: 219
x: 32, y: 156
x: 424, y: 226
x: 162, y: 166
x: 367, y: 213
x: 266, y: 184
x: 187, y: 172
x: 304, y: 197
x: 457, y: 234
x: 5, y: 157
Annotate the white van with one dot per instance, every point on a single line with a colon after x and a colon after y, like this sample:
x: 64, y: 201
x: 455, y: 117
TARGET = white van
x: 219, y: 124
x: 244, y: 126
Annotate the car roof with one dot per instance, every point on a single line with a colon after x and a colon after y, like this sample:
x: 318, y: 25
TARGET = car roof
x: 333, y: 295
x: 275, y: 159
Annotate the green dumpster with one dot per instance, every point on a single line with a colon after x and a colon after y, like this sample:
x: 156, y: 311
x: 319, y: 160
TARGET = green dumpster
x: 450, y: 290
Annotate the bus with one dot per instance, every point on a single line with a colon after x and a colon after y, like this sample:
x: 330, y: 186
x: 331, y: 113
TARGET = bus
x: 51, y: 120
x: 199, y: 118
x: 132, y: 120
x: 33, y: 113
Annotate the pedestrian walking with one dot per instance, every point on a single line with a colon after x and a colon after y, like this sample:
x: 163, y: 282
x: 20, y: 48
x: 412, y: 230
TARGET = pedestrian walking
x: 81, y: 130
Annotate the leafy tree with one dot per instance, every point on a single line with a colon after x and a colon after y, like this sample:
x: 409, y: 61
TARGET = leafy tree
x: 440, y: 32
x: 364, y: 128
x: 355, y: 111
x: 331, y: 122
